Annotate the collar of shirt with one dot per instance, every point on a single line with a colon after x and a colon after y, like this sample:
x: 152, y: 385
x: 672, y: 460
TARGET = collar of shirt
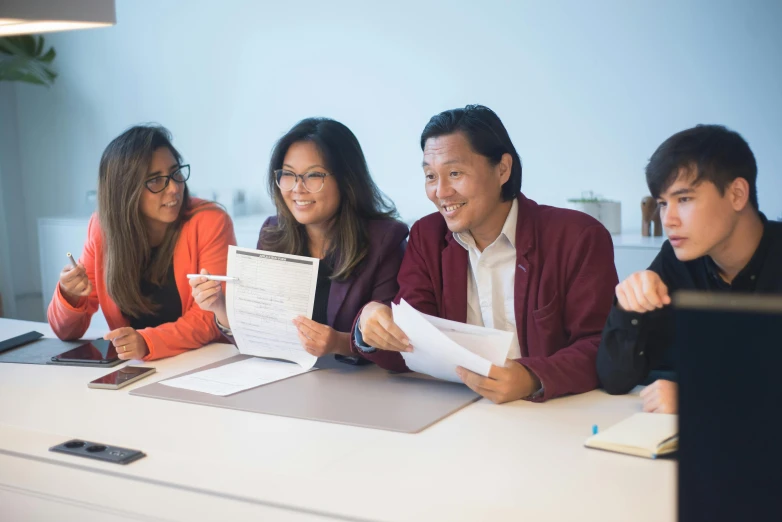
x: 466, y: 240
x: 746, y: 279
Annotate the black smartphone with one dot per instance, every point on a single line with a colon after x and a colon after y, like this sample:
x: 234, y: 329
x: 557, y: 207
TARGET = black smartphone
x: 122, y: 377
x: 19, y: 340
x: 99, y: 352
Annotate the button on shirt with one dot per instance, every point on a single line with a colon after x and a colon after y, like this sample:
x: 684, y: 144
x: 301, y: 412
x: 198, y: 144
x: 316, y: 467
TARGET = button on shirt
x: 491, y: 278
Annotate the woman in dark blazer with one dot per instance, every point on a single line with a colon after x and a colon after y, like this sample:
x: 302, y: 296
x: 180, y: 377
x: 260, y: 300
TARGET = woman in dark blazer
x: 327, y: 207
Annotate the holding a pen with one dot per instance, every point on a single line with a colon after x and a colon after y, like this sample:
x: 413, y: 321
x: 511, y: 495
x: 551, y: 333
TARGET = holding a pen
x: 210, y: 277
x: 74, y: 283
x: 208, y: 294
x: 148, y: 233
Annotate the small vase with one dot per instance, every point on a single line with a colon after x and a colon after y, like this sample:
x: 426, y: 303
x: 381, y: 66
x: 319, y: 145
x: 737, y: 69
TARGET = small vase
x: 609, y: 213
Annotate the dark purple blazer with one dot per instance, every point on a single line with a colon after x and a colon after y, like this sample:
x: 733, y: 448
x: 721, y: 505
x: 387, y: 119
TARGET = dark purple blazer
x: 564, y: 288
x: 373, y: 280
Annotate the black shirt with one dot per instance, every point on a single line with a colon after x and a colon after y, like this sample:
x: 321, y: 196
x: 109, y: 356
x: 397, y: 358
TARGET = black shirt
x: 636, y: 348
x: 322, y: 288
x: 165, y: 296
x: 321, y: 306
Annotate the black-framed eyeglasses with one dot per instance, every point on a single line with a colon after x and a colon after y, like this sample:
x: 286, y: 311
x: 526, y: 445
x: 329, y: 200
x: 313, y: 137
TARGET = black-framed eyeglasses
x: 160, y: 183
x: 312, y: 181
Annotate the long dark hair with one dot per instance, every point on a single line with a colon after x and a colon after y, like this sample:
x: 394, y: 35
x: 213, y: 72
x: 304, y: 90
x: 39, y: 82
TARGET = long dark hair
x: 123, y: 170
x: 360, y: 199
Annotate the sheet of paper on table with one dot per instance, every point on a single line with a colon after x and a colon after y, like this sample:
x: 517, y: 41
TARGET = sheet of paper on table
x: 235, y: 377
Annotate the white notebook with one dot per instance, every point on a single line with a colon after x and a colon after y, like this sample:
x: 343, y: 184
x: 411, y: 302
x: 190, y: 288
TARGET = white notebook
x: 647, y: 435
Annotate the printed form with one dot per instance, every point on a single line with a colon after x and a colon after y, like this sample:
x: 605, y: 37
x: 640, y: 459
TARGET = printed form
x: 271, y: 289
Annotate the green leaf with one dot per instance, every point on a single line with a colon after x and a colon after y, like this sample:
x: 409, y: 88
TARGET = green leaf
x: 22, y: 59
x: 49, y: 56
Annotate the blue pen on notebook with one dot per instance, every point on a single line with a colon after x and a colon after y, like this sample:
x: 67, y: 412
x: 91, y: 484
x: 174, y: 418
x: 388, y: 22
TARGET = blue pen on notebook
x: 594, y: 429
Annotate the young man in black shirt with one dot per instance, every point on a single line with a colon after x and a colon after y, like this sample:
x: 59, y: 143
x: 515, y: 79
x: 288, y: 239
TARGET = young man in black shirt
x: 704, y: 182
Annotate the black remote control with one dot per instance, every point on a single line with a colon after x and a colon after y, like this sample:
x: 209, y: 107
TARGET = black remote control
x: 19, y: 340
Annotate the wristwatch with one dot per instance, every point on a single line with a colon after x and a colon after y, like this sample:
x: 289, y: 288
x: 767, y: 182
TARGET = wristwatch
x: 224, y: 329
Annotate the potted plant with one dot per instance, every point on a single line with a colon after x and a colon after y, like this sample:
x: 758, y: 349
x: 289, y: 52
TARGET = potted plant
x: 608, y: 212
x: 22, y: 59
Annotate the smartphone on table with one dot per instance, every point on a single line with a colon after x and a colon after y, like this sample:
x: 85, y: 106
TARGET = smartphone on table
x: 122, y: 377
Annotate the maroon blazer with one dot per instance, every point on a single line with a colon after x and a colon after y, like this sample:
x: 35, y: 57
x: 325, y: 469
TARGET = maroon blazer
x: 564, y: 288
x: 373, y: 280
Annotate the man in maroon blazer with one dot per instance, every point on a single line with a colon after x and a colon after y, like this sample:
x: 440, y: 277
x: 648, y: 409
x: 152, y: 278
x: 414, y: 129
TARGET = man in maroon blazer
x: 494, y: 258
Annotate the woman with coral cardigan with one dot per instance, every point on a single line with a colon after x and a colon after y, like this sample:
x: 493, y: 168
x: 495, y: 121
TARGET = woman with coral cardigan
x: 147, y: 235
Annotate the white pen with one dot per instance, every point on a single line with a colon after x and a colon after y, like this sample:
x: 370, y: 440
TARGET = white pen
x: 73, y: 261
x: 211, y: 277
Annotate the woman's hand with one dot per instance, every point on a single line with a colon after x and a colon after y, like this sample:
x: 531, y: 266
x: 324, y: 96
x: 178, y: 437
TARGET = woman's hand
x: 320, y: 339
x: 209, y: 296
x: 129, y: 343
x: 74, y: 284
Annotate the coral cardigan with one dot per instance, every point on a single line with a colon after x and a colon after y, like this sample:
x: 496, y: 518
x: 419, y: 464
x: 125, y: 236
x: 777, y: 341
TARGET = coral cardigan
x: 203, y: 243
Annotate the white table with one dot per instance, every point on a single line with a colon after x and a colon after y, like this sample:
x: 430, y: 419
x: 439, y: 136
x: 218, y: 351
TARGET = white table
x: 519, y: 461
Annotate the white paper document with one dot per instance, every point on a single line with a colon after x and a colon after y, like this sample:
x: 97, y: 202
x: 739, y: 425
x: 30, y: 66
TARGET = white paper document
x: 440, y: 345
x: 271, y: 290
x: 235, y: 377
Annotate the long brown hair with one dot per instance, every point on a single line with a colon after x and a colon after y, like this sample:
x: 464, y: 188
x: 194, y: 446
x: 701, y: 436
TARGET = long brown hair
x: 360, y: 199
x: 123, y: 170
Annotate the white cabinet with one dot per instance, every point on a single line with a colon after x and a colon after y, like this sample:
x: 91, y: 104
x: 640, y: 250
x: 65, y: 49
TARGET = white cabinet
x: 57, y: 236
x: 633, y: 252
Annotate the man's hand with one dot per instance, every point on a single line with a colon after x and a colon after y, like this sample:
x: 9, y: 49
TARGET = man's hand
x: 129, y: 343
x: 320, y: 339
x: 661, y: 397
x: 642, y: 292
x: 379, y: 330
x: 504, y: 384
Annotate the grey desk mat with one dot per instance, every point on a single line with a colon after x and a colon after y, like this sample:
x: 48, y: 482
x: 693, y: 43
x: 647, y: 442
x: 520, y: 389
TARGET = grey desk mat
x: 365, y: 396
x: 40, y: 351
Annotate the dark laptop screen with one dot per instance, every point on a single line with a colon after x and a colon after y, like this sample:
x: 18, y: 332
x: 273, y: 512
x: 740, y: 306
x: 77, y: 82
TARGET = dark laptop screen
x: 730, y: 407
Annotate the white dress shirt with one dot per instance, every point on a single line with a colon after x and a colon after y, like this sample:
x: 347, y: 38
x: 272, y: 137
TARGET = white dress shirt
x: 491, y: 278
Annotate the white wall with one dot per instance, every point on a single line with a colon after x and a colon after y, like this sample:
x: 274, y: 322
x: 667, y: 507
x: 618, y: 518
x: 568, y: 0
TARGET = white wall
x: 587, y: 90
x: 17, y: 283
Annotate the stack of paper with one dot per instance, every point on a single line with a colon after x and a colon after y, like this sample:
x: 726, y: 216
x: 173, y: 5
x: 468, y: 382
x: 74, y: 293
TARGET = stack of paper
x: 440, y: 345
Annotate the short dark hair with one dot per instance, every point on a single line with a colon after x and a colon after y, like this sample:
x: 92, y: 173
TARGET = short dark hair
x: 487, y: 136
x: 716, y: 154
